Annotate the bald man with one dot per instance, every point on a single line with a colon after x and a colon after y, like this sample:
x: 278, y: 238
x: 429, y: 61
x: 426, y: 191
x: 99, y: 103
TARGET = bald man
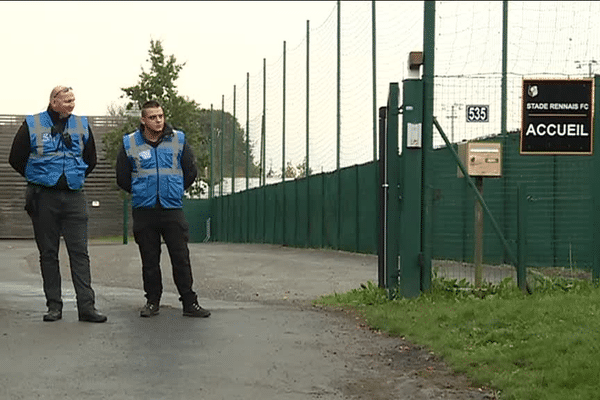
x: 55, y: 151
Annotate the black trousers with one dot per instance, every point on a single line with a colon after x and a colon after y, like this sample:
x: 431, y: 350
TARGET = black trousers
x: 63, y: 213
x: 149, y: 226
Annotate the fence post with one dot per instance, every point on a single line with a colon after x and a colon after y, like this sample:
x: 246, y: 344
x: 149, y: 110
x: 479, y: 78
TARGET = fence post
x: 596, y: 187
x: 521, y: 236
x: 411, y: 183
x: 247, y: 193
x: 428, y: 104
x: 382, y: 198
x: 478, y: 234
x: 390, y: 175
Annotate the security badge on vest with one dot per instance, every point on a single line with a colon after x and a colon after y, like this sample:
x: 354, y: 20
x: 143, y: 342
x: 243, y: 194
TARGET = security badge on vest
x: 146, y: 155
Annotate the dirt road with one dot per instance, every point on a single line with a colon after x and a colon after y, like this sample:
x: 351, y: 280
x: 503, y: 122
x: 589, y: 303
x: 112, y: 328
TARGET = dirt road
x: 264, y: 339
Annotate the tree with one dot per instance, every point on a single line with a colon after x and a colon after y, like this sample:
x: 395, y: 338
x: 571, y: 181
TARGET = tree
x: 301, y: 168
x: 290, y: 170
x: 180, y: 112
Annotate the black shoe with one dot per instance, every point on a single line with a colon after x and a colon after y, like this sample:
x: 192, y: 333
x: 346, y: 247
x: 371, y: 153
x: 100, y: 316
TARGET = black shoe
x: 92, y: 316
x: 194, y: 310
x: 53, y: 315
x: 150, y: 310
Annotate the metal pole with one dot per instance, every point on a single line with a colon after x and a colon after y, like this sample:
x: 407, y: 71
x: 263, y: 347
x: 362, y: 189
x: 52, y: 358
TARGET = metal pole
x: 428, y: 89
x: 222, y: 141
x: 338, y: 127
x: 452, y: 125
x: 233, y: 145
x: 383, y: 196
x: 307, y: 92
x: 247, y: 130
x: 284, y: 208
x: 247, y: 194
x: 521, y: 236
x: 374, y: 68
x: 307, y: 232
x: 283, y: 121
x: 263, y: 139
x: 503, y: 109
x: 503, y: 103
x: 221, y: 226
x: 338, y: 101
x: 264, y: 150
x: 211, y: 189
x: 393, y: 203
x: 478, y: 251
x: 410, y: 204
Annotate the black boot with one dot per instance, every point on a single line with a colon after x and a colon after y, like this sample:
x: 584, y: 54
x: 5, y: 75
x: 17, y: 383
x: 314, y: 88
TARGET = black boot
x: 53, y: 315
x: 92, y: 315
x: 194, y: 310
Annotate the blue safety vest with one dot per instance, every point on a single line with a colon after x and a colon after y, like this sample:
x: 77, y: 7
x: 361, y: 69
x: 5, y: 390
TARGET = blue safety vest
x: 156, y: 175
x: 50, y: 157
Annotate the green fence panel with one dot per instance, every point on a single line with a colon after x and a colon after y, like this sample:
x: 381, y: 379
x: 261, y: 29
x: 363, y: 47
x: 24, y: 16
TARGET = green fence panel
x: 348, y: 213
x: 559, y: 232
x: 316, y: 211
x: 236, y: 225
x: 218, y: 219
x: 330, y: 210
x: 305, y: 213
x: 251, y: 217
x: 452, y: 224
x: 541, y: 217
x: 197, y: 213
x: 290, y: 214
x: 302, y: 205
x: 271, y: 213
x: 574, y: 208
x: 493, y: 192
x: 368, y: 208
x: 279, y: 221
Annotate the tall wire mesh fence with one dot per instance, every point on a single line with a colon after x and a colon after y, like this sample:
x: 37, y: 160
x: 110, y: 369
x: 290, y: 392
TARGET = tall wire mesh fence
x: 314, y: 110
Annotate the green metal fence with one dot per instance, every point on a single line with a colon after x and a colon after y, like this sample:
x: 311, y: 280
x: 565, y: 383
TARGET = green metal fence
x: 311, y: 173
x: 304, y: 212
x: 336, y: 210
x: 559, y: 208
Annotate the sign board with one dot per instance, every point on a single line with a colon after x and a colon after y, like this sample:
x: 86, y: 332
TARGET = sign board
x: 557, y: 116
x: 478, y: 113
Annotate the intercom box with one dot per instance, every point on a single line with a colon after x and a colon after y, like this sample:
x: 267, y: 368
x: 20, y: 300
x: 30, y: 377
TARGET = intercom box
x: 481, y: 159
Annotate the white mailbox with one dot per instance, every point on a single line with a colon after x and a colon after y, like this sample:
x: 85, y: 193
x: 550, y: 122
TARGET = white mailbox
x: 481, y: 159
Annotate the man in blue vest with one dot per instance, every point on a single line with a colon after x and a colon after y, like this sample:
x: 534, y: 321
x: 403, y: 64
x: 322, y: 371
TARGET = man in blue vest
x: 156, y: 165
x: 55, y: 152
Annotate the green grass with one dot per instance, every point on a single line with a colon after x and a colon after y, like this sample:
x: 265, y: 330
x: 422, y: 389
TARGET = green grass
x: 540, y: 346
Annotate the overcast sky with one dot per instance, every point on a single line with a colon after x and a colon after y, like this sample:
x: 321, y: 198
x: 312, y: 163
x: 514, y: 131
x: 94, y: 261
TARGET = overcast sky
x: 98, y: 47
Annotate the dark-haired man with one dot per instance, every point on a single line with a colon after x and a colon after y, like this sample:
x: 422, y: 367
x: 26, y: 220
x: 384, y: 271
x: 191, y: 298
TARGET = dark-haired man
x: 55, y: 152
x: 156, y: 165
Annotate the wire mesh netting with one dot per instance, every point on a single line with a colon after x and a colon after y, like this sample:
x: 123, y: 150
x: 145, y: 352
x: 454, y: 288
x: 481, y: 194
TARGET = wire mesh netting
x: 314, y: 111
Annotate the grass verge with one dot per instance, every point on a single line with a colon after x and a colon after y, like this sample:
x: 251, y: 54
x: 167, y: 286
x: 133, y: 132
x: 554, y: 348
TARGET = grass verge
x: 539, y: 346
